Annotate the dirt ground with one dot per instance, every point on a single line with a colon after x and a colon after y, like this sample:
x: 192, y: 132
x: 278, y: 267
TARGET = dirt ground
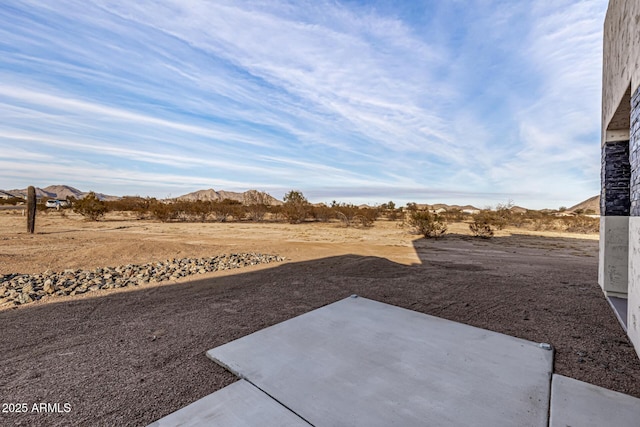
x: 131, y: 356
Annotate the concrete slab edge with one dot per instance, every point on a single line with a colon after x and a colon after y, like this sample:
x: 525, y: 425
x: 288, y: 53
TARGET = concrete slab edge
x: 244, y: 378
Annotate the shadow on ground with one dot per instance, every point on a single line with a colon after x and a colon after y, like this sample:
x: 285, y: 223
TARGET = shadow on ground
x: 129, y: 358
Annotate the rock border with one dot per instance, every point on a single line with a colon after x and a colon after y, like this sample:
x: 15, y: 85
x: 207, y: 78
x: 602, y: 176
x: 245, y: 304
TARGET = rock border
x: 18, y: 289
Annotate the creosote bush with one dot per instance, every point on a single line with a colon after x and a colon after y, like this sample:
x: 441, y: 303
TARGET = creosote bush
x: 483, y: 224
x: 352, y: 215
x: 295, y: 207
x: 430, y: 225
x: 257, y: 204
x: 11, y: 201
x: 90, y: 207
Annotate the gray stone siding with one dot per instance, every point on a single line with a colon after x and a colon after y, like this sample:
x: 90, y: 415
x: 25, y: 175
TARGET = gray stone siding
x: 614, y: 199
x: 634, y: 155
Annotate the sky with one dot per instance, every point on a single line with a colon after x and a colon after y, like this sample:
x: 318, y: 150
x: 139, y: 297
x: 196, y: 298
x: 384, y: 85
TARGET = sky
x: 459, y: 101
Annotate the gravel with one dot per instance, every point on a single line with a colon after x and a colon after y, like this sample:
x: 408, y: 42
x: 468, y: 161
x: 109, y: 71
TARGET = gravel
x: 17, y: 289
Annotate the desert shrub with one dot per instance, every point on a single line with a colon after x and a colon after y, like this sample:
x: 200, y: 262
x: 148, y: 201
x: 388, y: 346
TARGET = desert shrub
x: 390, y: 211
x: 163, y: 211
x: 41, y: 205
x: 195, y: 210
x: 453, y: 214
x: 428, y: 224
x: 227, y: 208
x: 481, y: 230
x: 139, y: 205
x: 90, y: 207
x: 393, y: 214
x: 548, y: 223
x: 295, y: 207
x: 276, y: 213
x: 581, y: 224
x: 368, y: 216
x: 502, y: 216
x: 483, y: 224
x: 322, y: 213
x: 11, y: 201
x: 257, y: 205
x: 412, y: 206
x: 346, y: 213
x: 517, y: 220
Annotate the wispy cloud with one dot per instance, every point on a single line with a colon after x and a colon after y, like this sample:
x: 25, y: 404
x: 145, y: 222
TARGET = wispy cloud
x: 488, y: 97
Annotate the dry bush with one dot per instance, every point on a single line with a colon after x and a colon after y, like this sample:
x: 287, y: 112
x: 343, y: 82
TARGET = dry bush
x: 581, y: 224
x: 90, y: 207
x: 483, y: 224
x: 453, y: 214
x: 295, y: 207
x: 322, y: 213
x: 431, y: 226
x: 481, y: 230
x: 11, y: 201
x: 227, y: 208
x: 368, y: 216
x: 351, y: 215
x: 390, y: 210
x: 346, y: 213
x: 257, y: 204
x: 276, y: 213
x: 163, y: 211
x: 197, y: 210
x: 139, y: 205
x: 393, y: 214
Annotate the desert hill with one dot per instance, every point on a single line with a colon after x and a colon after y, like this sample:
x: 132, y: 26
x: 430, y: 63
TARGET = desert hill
x: 58, y: 192
x: 446, y: 207
x: 592, y: 203
x: 246, y: 197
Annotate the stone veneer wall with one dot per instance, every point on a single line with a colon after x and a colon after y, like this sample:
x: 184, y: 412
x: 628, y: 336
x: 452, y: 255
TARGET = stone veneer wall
x: 633, y: 290
x: 616, y: 173
x: 634, y: 154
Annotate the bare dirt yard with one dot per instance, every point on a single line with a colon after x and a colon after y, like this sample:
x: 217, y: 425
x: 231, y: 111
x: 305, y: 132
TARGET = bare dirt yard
x: 130, y: 356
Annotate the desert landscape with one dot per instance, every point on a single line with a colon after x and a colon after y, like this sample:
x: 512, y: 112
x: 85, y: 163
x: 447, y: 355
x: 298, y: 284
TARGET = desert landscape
x: 134, y: 354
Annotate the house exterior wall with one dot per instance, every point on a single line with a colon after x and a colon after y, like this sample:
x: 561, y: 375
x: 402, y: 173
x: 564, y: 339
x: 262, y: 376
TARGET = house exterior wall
x: 633, y: 291
x: 621, y: 58
x: 619, y: 266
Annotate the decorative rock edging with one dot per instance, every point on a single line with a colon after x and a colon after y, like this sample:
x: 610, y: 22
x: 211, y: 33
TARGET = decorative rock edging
x: 25, y: 288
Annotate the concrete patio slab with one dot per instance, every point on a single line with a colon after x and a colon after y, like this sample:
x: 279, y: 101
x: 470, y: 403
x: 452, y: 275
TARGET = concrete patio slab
x: 576, y: 403
x: 239, y: 404
x: 359, y: 362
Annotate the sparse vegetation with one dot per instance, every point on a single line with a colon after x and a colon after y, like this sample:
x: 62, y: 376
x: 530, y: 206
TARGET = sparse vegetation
x: 322, y: 213
x: 90, y: 207
x: 352, y: 215
x: 390, y: 210
x: 297, y: 209
x: 295, y: 206
x: 431, y: 226
x: 257, y: 205
x: 483, y: 224
x: 11, y: 201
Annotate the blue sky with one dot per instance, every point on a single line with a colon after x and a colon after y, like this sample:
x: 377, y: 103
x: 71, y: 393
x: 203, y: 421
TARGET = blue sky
x: 457, y: 101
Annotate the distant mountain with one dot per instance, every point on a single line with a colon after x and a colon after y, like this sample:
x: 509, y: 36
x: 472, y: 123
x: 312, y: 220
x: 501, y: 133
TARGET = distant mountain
x: 592, y: 203
x: 446, y: 207
x: 246, y: 197
x: 59, y: 192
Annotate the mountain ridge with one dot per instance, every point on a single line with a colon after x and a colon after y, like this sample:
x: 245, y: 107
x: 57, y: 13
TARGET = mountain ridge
x: 58, y: 192
x: 247, y: 197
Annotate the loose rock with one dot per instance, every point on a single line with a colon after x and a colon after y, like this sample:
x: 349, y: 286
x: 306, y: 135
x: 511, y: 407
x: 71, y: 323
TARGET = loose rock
x: 19, y: 289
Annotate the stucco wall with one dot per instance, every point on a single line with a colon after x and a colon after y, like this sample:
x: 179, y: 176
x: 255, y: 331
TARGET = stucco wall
x: 621, y: 60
